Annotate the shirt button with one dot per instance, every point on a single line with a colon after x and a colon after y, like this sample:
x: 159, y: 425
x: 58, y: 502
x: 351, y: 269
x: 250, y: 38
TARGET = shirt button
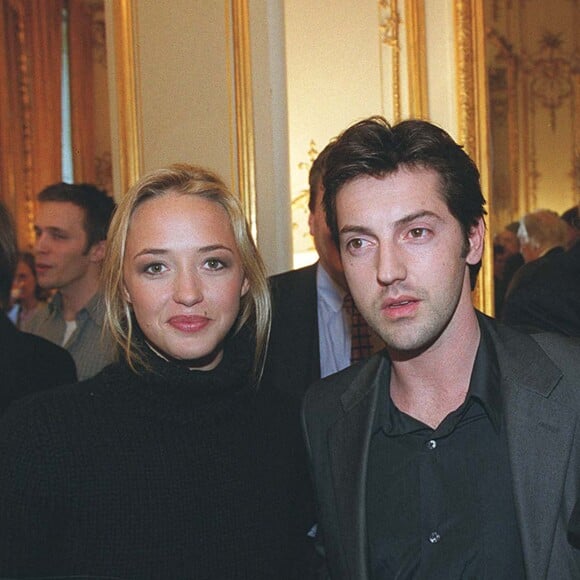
x: 434, y: 537
x: 431, y: 444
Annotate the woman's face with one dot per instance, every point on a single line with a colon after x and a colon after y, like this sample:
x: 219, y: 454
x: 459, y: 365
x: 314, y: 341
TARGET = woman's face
x: 24, y: 282
x: 183, y: 277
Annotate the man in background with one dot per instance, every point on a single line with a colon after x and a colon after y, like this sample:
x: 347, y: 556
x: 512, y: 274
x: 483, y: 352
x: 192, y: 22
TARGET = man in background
x: 313, y: 313
x: 71, y: 230
x: 27, y: 363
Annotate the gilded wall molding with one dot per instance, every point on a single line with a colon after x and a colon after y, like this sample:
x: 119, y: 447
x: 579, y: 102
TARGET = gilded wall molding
x: 246, y: 167
x: 389, y: 23
x: 417, y: 58
x: 127, y: 94
x: 473, y: 118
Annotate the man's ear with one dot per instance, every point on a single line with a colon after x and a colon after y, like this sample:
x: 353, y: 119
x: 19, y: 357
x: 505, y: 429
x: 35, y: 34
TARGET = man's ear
x: 476, y: 240
x: 97, y: 251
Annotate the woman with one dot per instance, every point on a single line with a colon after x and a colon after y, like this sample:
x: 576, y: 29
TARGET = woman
x: 25, y: 290
x: 170, y: 463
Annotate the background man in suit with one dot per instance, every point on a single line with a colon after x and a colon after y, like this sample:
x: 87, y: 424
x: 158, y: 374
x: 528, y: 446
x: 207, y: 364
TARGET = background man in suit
x: 311, y: 326
x: 455, y: 453
x: 27, y: 363
x: 71, y: 231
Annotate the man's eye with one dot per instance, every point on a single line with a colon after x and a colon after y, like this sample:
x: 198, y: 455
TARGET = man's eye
x: 355, y: 244
x: 418, y: 232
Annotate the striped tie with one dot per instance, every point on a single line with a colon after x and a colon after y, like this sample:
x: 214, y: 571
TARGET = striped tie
x: 360, y: 333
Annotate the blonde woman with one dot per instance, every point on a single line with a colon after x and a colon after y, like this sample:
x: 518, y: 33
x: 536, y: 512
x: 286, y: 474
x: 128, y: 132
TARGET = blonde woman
x: 171, y: 463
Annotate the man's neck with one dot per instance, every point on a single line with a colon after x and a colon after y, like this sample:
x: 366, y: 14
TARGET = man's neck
x: 77, y: 295
x: 434, y: 383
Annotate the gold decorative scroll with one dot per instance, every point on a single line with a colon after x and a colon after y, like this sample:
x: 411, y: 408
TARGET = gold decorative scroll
x: 417, y: 58
x: 129, y: 127
x: 473, y: 115
x: 244, y: 111
x: 389, y: 22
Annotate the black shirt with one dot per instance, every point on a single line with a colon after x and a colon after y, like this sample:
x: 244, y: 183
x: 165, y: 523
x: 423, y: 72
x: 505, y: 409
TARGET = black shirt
x: 439, y: 501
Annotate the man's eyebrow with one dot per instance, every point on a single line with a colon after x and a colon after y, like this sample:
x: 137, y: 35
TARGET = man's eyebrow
x: 415, y: 216
x: 355, y: 230
x: 51, y: 229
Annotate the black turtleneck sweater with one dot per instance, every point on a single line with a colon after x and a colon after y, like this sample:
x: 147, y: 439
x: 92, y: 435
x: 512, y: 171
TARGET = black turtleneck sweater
x: 172, y: 474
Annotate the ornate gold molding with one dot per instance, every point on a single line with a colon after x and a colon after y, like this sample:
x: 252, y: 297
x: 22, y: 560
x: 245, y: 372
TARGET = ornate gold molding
x: 127, y: 95
x: 473, y: 118
x: 417, y: 58
x: 389, y: 22
x: 244, y: 111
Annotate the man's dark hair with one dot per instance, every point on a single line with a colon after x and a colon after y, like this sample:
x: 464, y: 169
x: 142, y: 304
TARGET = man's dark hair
x: 8, y: 255
x: 374, y: 148
x: 316, y: 174
x: 95, y: 202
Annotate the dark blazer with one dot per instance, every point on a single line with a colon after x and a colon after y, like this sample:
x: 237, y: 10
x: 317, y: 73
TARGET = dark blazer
x: 29, y: 363
x: 540, y: 378
x: 545, y: 294
x: 293, y: 358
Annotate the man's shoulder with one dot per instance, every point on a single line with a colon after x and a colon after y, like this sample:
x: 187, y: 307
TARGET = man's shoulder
x: 294, y: 278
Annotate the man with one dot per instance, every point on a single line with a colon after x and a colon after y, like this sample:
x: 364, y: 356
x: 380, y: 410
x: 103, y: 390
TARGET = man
x: 455, y: 452
x: 27, y: 363
x: 311, y: 327
x: 545, y: 292
x: 71, y: 229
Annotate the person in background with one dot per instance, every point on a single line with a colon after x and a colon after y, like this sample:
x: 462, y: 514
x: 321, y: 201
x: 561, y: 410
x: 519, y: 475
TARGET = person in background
x: 507, y: 259
x: 71, y: 231
x: 171, y: 463
x: 572, y: 218
x: 27, y: 296
x: 545, y: 293
x: 27, y: 363
x: 454, y: 453
x: 312, y: 323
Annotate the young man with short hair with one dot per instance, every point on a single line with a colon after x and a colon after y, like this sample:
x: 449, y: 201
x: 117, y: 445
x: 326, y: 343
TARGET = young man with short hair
x: 71, y: 230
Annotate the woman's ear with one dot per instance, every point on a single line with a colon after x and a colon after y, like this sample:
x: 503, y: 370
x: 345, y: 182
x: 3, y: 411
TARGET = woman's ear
x: 245, y: 287
x: 126, y: 295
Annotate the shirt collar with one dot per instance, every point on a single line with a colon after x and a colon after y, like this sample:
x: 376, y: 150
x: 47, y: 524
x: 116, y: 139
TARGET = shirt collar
x: 484, y: 386
x: 328, y: 290
x: 93, y: 309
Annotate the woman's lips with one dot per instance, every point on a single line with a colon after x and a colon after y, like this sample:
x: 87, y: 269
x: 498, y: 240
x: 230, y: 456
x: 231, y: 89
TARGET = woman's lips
x: 189, y: 324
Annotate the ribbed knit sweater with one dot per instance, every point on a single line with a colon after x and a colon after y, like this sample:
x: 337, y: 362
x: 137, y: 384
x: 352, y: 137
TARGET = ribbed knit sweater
x: 168, y: 475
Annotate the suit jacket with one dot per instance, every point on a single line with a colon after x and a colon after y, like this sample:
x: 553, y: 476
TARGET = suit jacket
x: 293, y: 358
x: 30, y: 363
x: 540, y: 380
x: 545, y: 294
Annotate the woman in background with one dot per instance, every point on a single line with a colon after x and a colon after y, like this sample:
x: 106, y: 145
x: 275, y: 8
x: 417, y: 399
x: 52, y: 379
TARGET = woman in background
x: 170, y: 463
x: 26, y: 292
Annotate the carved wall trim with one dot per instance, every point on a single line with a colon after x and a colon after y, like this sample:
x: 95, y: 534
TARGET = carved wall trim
x: 127, y: 94
x: 473, y: 118
x: 389, y: 22
x: 246, y: 165
x: 417, y: 58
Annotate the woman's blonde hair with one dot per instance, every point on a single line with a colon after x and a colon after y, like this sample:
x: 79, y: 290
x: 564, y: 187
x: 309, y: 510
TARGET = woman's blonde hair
x: 183, y: 179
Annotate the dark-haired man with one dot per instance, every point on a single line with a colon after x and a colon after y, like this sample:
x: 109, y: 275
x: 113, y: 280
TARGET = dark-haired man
x: 27, y: 363
x: 456, y: 452
x: 71, y: 230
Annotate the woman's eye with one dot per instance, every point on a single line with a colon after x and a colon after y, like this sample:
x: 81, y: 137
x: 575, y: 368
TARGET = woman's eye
x: 214, y: 264
x: 155, y: 269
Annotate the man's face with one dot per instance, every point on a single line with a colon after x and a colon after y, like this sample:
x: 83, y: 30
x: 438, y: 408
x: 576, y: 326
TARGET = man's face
x: 61, y: 254
x: 327, y: 250
x: 406, y: 260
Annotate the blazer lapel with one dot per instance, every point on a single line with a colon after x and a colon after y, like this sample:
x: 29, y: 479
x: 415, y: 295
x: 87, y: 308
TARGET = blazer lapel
x: 348, y: 446
x: 540, y: 434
